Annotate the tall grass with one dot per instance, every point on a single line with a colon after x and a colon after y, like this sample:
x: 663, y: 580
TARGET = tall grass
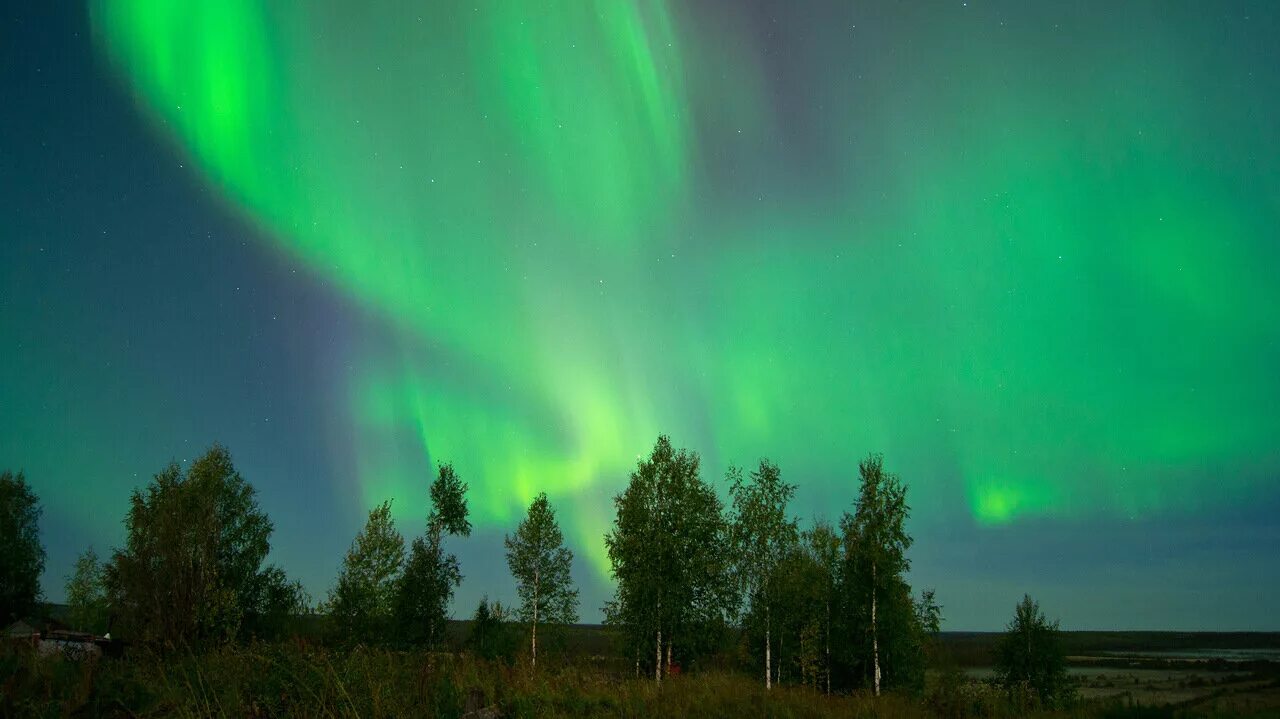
x: 301, y: 680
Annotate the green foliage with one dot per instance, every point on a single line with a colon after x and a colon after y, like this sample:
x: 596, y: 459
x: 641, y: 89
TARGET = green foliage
x: 191, y: 568
x: 668, y: 551
x: 540, y: 563
x: 280, y: 603
x: 929, y: 613
x: 823, y: 547
x: 362, y: 601
x: 491, y: 635
x: 449, y: 504
x: 760, y: 531
x: 21, y: 554
x: 87, y: 594
x: 797, y: 621
x: 762, y: 537
x: 1030, y: 659
x: 879, y: 624
x: 424, y: 591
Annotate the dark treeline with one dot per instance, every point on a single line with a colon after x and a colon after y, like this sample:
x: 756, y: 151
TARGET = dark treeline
x: 827, y: 607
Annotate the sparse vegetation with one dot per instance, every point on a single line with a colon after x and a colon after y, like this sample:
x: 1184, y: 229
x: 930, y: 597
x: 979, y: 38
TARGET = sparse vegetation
x: 298, y: 679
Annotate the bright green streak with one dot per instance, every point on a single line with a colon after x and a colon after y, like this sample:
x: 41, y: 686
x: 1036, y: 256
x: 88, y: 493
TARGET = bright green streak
x: 1043, y: 287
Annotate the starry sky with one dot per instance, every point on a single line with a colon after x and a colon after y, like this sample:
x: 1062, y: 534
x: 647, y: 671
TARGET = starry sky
x: 1026, y: 250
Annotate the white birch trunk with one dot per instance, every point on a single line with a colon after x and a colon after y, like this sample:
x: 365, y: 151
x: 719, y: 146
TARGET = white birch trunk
x: 875, y: 636
x: 828, y: 646
x: 768, y: 656
x: 657, y: 657
x: 533, y: 648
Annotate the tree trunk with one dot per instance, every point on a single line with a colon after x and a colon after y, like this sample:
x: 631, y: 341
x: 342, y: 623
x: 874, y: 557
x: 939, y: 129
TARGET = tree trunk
x: 669, y: 641
x: 657, y: 657
x: 779, y: 662
x: 828, y: 646
x: 534, y: 642
x: 875, y: 637
x: 768, y: 657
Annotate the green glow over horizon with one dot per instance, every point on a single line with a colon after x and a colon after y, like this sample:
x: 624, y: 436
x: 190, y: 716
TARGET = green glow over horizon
x: 1048, y: 283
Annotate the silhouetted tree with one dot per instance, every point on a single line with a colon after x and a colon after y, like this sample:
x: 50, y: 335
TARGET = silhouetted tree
x: 491, y: 636
x: 449, y: 513
x: 1029, y: 658
x: 425, y: 590
x: 668, y: 551
x: 880, y: 631
x: 762, y: 535
x: 86, y: 594
x: 540, y: 563
x: 279, y: 603
x: 797, y: 592
x: 929, y: 613
x: 823, y: 547
x: 191, y: 568
x: 361, y: 602
x: 21, y: 554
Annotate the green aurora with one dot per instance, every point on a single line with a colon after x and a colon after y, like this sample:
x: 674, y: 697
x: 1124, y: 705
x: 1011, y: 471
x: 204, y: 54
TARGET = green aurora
x: 1030, y: 256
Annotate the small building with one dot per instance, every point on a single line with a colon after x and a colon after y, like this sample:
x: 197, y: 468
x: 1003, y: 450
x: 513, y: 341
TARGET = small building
x: 22, y: 630
x: 52, y: 637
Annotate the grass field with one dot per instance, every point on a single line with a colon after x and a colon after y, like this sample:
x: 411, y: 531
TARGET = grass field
x: 304, y: 679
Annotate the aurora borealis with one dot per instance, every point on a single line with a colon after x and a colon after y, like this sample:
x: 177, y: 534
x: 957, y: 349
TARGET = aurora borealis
x: 1027, y: 250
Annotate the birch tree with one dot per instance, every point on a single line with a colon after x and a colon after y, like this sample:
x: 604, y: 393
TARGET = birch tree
x: 192, y: 567
x: 425, y: 589
x: 822, y: 544
x: 540, y: 563
x: 667, y: 554
x: 876, y: 543
x: 1029, y: 657
x: 361, y: 603
x: 761, y: 535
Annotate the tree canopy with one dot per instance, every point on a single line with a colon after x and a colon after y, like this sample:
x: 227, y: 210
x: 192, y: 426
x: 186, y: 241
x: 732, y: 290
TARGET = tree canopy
x: 425, y: 590
x: 361, y: 602
x: 540, y: 563
x: 1029, y: 658
x: 880, y: 637
x: 86, y: 594
x: 668, y: 551
x: 449, y: 514
x: 762, y: 535
x: 21, y: 554
x: 192, y: 565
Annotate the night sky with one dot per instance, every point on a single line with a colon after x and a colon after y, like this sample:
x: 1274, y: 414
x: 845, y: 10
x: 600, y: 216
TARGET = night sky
x: 1029, y: 251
